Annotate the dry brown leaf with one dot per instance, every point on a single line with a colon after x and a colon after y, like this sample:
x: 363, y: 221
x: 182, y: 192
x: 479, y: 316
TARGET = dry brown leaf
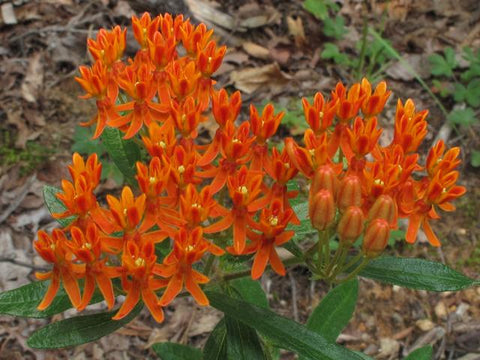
x: 418, y: 62
x: 250, y: 79
x: 295, y: 28
x: 8, y: 14
x: 33, y: 81
x: 281, y: 55
x: 256, y: 50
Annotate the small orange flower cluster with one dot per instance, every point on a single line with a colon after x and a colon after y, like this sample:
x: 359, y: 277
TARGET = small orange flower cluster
x: 189, y: 191
x: 377, y: 184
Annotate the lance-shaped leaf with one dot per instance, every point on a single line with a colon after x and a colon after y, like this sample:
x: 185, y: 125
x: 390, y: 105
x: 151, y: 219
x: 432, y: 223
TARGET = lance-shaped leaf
x: 333, y: 313
x: 79, y: 330
x: 424, y: 353
x: 216, y: 346
x: 285, y: 332
x: 54, y: 205
x: 416, y: 274
x: 124, y: 153
x: 173, y: 351
x: 24, y: 300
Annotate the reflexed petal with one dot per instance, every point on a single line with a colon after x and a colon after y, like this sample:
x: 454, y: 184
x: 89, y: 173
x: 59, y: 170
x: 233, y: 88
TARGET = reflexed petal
x: 130, y: 301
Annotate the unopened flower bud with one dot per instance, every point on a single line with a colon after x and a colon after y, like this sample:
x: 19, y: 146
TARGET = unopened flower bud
x: 350, y: 225
x: 376, y: 237
x: 324, y: 178
x: 349, y: 192
x: 383, y: 208
x: 322, y: 209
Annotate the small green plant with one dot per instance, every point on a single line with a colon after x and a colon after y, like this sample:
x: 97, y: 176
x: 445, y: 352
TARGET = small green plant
x: 460, y: 85
x: 29, y: 158
x: 369, y: 58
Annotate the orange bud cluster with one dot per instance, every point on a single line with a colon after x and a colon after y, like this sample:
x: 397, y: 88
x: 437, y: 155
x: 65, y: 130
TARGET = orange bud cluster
x: 378, y: 184
x: 236, y: 184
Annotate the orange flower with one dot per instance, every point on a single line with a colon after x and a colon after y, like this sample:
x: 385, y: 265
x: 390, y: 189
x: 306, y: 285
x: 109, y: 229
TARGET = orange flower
x: 142, y: 110
x: 374, y: 103
x: 263, y: 127
x: 244, y: 188
x: 187, y: 116
x: 235, y: 148
x: 225, y: 111
x: 87, y: 248
x: 161, y: 140
x: 349, y: 102
x: 109, y: 46
x: 271, y: 227
x: 410, y: 126
x: 144, y: 28
x: 138, y: 280
x: 194, y: 37
x: 91, y: 170
x: 362, y: 137
x: 97, y: 81
x: 183, y: 78
x: 53, y: 249
x: 188, y: 248
x: 320, y: 114
x: 210, y: 58
x: 196, y: 207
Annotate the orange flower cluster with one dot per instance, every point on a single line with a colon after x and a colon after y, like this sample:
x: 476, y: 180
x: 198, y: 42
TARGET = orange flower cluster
x: 376, y: 185
x: 236, y: 185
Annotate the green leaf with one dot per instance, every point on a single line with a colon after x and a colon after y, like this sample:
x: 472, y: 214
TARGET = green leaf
x: 331, y: 51
x: 243, y: 342
x: 251, y: 291
x: 54, y: 205
x: 84, y: 144
x: 472, y: 95
x: 24, y: 300
x: 286, y: 333
x: 335, y: 27
x: 124, y: 153
x: 424, y: 353
x: 450, y: 57
x: 439, y: 66
x: 173, y: 351
x: 459, y: 93
x: 416, y: 274
x: 475, y: 158
x: 335, y: 311
x: 317, y: 8
x: 79, y: 330
x: 216, y: 346
x: 111, y: 171
x: 463, y: 117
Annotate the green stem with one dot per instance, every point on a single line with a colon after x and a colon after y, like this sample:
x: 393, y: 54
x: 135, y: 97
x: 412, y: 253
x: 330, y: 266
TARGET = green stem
x: 355, y: 272
x: 209, y: 264
x: 363, y: 49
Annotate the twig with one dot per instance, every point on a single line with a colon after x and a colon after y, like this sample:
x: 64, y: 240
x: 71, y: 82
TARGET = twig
x: 24, y: 264
x: 18, y: 199
x: 294, y: 296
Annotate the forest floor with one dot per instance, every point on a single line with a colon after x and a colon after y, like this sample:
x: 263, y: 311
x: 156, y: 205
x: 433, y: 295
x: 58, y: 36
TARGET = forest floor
x: 277, y: 53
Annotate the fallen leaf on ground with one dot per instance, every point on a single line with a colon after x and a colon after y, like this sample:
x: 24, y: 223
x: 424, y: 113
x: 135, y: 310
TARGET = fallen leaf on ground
x: 256, y: 50
x: 250, y: 79
x: 33, y: 81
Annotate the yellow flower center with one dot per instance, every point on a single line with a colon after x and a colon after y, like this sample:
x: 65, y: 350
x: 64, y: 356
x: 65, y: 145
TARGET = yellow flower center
x: 273, y: 220
x: 152, y: 179
x: 87, y: 246
x: 140, y: 262
x: 243, y: 189
x: 181, y: 169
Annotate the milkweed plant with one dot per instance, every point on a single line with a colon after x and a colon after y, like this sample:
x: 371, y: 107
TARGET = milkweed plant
x: 206, y: 218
